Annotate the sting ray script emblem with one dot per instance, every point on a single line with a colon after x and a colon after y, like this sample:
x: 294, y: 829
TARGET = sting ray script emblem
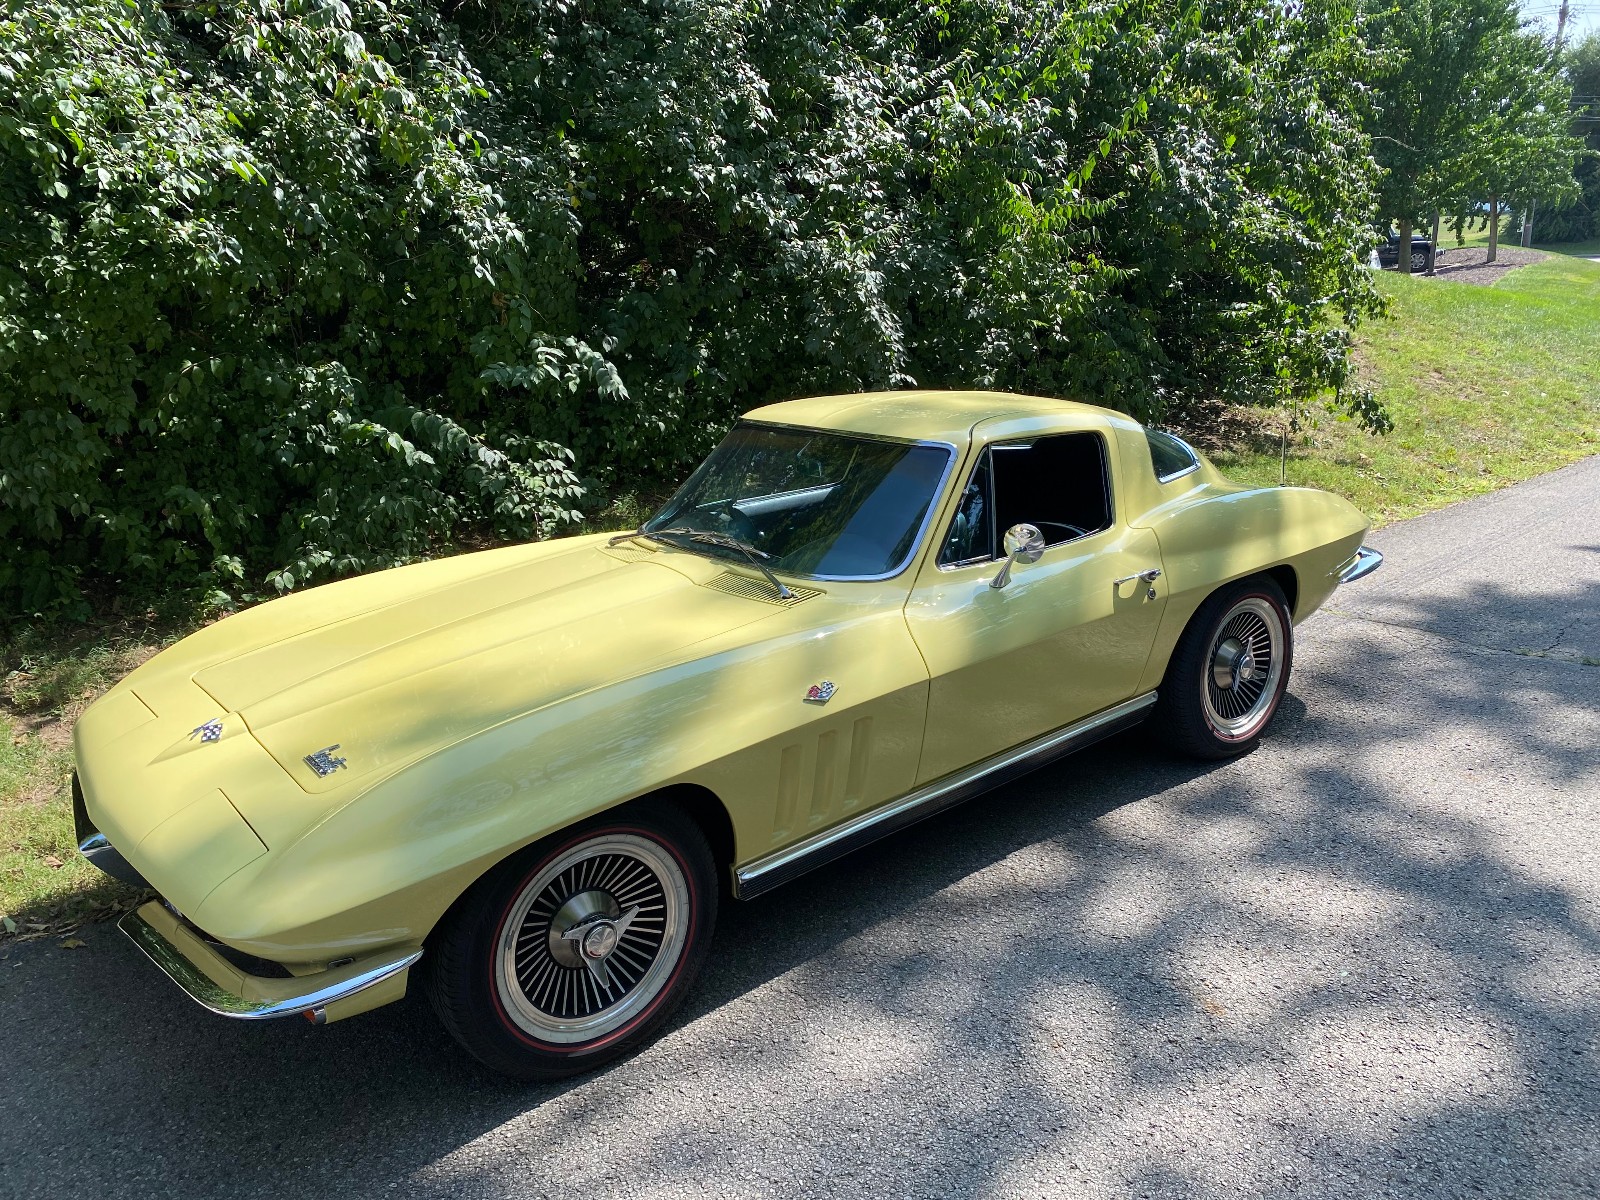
x: 323, y: 762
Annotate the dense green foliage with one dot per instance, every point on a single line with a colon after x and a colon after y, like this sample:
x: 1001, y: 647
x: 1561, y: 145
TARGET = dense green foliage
x: 291, y: 288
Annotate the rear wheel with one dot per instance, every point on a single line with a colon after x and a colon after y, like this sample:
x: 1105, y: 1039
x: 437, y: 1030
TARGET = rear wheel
x: 576, y: 950
x: 1228, y: 672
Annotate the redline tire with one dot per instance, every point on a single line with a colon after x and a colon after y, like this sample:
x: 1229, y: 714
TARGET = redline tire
x: 1228, y: 672
x: 576, y: 950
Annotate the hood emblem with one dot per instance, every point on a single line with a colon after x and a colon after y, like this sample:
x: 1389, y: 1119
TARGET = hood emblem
x: 211, y: 731
x: 323, y: 762
x: 820, y: 693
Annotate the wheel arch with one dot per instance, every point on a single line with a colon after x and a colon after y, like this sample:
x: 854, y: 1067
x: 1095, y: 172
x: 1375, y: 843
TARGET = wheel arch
x: 698, y: 802
x: 1289, y: 582
x: 706, y: 809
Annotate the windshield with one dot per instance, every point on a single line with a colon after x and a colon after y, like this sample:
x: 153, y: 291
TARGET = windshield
x: 820, y: 504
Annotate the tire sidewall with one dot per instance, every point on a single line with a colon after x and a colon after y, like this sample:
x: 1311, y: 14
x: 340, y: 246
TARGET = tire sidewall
x: 1180, y: 716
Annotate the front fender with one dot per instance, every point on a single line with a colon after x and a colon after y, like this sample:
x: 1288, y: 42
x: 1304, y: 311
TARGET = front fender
x: 383, y: 868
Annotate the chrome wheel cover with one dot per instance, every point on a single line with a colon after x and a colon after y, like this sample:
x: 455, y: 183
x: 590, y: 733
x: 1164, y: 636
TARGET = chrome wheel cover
x: 1244, y: 668
x: 592, y: 938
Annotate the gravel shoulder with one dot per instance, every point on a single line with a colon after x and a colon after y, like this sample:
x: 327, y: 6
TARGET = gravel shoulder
x: 1363, y: 961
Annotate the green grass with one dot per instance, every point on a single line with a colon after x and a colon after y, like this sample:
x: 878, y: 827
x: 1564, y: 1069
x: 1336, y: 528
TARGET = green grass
x: 46, y: 887
x: 1480, y: 237
x: 1486, y: 386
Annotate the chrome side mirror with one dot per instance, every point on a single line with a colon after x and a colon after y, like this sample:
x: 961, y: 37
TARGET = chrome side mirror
x: 1024, y: 543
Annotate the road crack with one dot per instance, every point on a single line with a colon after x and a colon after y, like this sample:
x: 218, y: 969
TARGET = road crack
x: 1544, y: 655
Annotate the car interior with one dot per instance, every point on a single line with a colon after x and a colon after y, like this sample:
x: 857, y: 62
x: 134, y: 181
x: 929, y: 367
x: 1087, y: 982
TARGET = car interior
x: 1058, y: 484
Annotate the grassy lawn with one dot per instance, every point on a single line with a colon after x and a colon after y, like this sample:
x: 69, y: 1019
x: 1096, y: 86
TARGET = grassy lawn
x: 1480, y: 237
x: 1486, y: 385
x: 46, y: 887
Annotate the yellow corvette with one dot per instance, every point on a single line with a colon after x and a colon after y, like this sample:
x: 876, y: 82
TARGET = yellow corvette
x: 528, y: 775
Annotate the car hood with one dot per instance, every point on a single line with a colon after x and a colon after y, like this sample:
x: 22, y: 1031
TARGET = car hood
x: 379, y: 672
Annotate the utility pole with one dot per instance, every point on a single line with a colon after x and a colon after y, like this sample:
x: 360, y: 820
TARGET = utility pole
x: 1561, y: 29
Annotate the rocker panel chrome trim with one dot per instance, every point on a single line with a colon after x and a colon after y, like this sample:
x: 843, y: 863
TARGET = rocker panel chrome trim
x: 767, y: 873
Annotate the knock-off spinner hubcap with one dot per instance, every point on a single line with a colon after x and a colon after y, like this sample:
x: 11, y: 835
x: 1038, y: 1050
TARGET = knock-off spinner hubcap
x: 1247, y: 656
x: 600, y: 940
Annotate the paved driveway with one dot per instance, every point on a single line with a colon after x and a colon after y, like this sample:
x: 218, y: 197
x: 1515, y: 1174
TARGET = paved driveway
x: 1364, y: 961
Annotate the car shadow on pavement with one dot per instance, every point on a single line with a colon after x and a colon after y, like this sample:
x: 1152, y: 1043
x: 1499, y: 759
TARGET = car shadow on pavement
x: 1362, y: 959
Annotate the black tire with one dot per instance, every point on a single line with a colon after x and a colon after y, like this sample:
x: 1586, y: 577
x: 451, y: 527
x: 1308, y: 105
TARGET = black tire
x: 1196, y: 712
x: 496, y: 968
x: 1419, y: 260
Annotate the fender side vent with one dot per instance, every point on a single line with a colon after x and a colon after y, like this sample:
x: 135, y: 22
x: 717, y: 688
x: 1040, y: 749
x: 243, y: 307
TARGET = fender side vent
x: 736, y: 584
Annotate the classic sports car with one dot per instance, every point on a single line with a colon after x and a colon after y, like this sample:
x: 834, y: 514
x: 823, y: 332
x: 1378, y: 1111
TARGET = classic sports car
x: 528, y: 775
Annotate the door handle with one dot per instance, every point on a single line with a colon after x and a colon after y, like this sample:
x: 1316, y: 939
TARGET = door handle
x: 1149, y: 575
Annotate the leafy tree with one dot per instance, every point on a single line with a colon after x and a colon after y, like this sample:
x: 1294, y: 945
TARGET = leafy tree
x: 293, y: 288
x: 1429, y: 94
x: 1580, y: 221
x: 1467, y: 106
x: 1521, y: 148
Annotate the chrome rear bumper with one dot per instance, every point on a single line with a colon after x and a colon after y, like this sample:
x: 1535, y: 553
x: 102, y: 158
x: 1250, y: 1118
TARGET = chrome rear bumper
x: 216, y: 984
x: 1360, y: 564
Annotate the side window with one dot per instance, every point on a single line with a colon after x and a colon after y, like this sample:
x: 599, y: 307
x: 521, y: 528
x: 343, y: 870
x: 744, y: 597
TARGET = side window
x: 1169, y: 456
x: 971, y: 536
x: 1059, y: 484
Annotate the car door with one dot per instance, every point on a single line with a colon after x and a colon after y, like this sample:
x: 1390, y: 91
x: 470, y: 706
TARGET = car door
x: 1067, y: 636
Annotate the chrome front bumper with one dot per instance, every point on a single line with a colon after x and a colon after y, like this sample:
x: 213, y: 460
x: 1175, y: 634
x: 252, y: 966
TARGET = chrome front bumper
x: 216, y: 984
x: 1360, y: 564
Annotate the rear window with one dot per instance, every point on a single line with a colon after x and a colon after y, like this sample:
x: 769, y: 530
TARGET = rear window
x: 1169, y: 456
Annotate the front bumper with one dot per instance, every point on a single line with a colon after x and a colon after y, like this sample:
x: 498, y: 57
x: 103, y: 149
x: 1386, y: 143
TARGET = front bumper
x: 216, y: 984
x: 1360, y: 564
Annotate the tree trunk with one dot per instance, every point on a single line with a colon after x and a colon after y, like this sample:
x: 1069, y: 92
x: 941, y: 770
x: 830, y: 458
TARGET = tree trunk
x: 1433, y: 253
x: 1494, y: 226
x: 1404, y: 248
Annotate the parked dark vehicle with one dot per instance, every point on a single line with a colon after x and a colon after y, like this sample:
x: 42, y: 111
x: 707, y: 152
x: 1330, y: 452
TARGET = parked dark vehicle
x: 1423, y: 253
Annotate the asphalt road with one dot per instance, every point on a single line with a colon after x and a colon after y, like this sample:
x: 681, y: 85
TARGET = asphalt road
x: 1361, y: 962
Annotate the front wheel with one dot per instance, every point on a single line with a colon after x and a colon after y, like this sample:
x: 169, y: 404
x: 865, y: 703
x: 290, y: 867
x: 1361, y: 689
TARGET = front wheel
x: 577, y: 949
x: 1228, y: 672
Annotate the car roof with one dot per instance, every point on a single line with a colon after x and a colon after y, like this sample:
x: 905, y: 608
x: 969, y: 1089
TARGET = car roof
x: 931, y: 416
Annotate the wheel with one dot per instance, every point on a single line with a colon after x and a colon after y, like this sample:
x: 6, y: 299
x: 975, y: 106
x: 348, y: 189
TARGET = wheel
x: 1419, y: 260
x: 574, y: 951
x: 1228, y: 672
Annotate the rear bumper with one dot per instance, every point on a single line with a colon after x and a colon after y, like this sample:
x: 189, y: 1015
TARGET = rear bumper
x: 1359, y: 565
x: 217, y: 985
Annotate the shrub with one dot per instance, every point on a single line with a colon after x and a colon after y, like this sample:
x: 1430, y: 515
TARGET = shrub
x: 292, y: 288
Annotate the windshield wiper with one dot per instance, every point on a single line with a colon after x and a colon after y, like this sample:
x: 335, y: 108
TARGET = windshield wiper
x: 709, y: 538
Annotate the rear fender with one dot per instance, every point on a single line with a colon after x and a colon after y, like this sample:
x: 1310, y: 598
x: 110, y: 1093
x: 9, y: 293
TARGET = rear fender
x: 1215, y: 535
